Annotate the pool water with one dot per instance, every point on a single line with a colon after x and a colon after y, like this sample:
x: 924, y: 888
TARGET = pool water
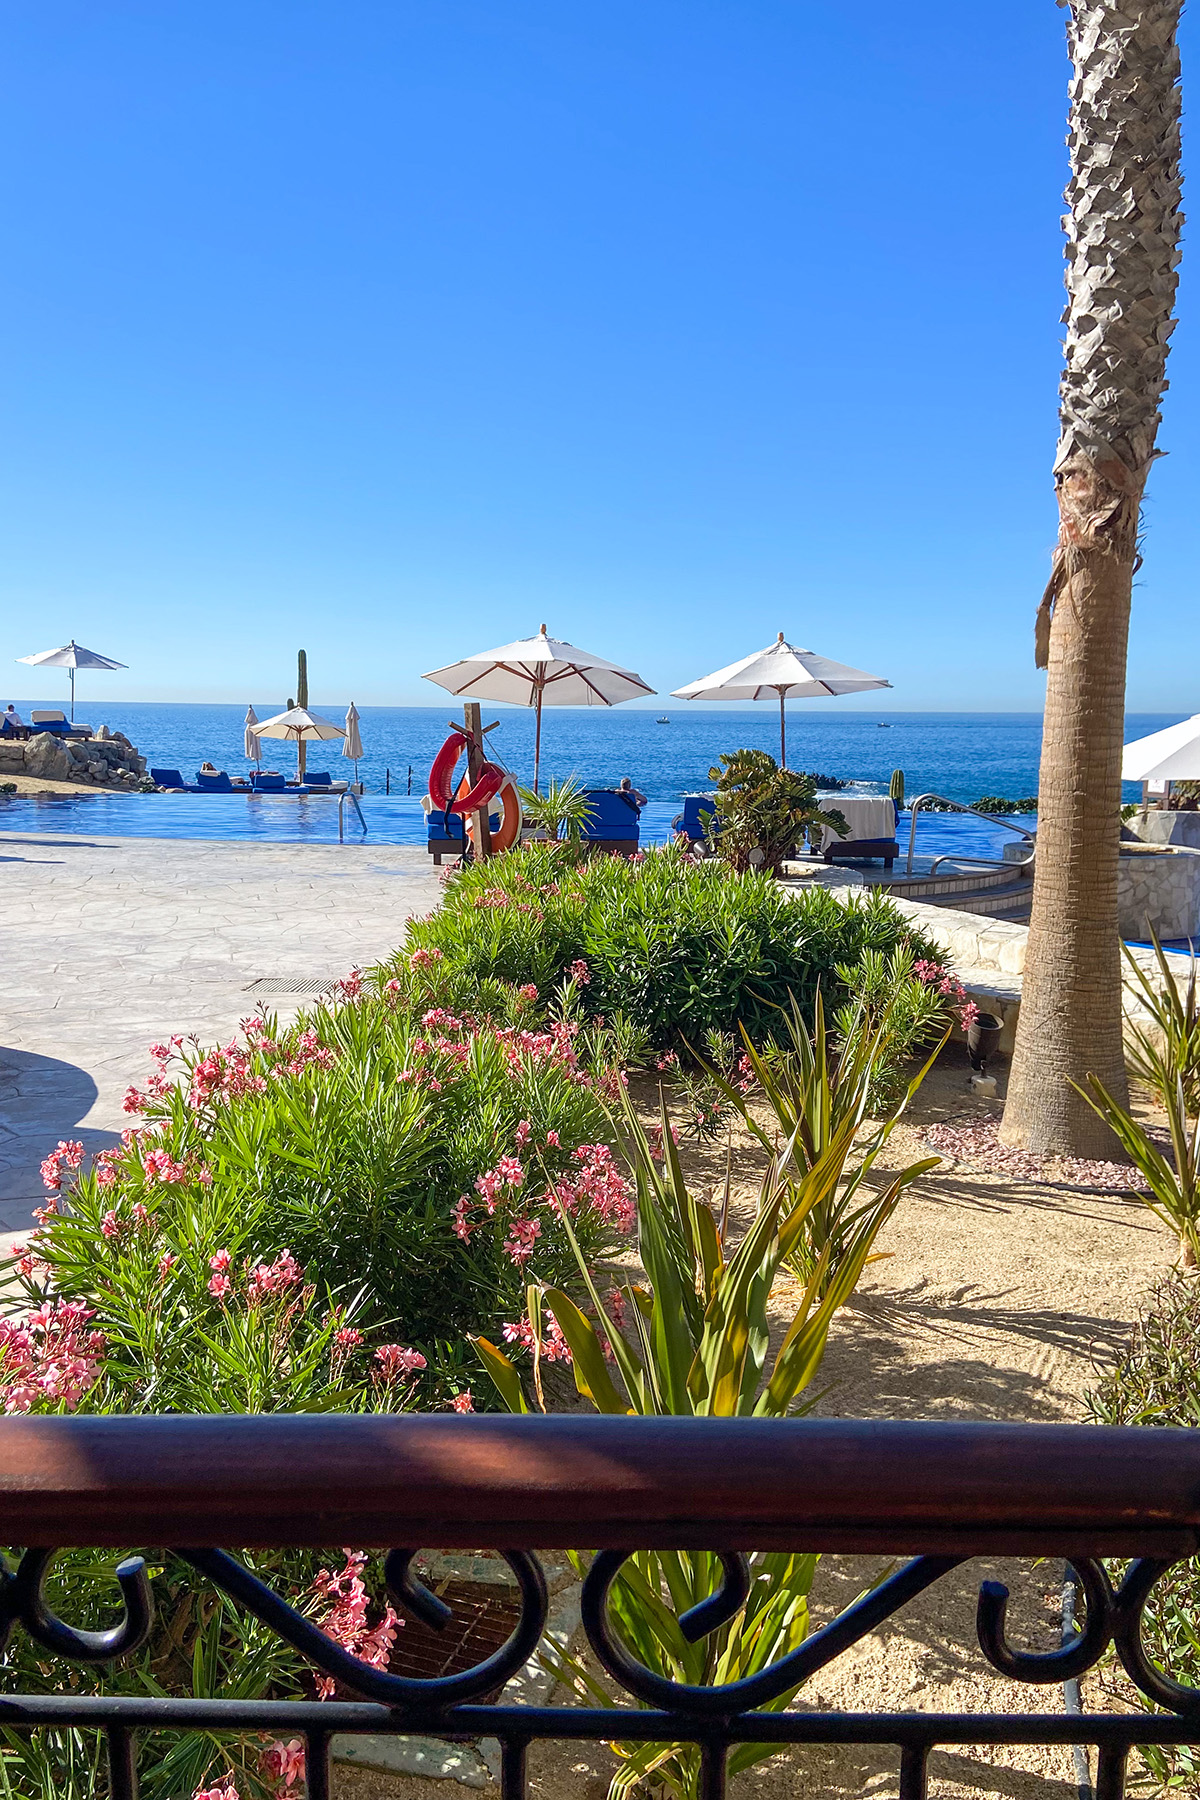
x: 300, y: 819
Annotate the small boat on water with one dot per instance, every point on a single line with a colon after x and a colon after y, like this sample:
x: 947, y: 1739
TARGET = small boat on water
x: 663, y: 721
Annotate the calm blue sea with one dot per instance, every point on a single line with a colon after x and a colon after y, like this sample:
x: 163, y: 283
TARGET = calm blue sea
x: 960, y: 755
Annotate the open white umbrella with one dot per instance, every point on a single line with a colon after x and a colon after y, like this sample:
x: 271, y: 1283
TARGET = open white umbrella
x: 252, y: 746
x: 781, y: 669
x: 299, y: 725
x: 72, y: 656
x: 353, y: 744
x: 1170, y: 755
x: 540, y: 671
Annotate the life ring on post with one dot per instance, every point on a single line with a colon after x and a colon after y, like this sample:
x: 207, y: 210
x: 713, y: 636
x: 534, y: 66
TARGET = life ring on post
x: 441, y: 775
x: 509, y: 829
x: 470, y: 799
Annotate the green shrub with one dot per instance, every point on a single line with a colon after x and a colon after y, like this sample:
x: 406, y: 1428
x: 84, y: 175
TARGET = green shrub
x: 766, y: 812
x: 1156, y: 1381
x: 673, y: 947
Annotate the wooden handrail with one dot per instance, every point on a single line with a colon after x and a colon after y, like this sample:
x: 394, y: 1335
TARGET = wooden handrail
x: 442, y: 1481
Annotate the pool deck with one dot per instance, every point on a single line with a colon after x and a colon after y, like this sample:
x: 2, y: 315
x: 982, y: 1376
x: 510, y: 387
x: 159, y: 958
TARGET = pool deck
x: 111, y: 944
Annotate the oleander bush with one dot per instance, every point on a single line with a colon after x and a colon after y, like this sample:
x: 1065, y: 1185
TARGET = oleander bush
x: 1156, y: 1381
x: 661, y: 944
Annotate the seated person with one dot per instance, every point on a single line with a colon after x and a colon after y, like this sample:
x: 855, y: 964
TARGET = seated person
x: 207, y: 768
x: 631, y: 793
x: 12, y: 720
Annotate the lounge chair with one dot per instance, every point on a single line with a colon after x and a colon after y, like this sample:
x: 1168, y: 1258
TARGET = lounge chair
x: 214, y: 784
x: 445, y: 834
x: 171, y: 778
x: 269, y: 784
x: 319, y: 780
x: 56, y: 721
x: 858, y: 810
x: 694, y: 821
x: 613, y: 824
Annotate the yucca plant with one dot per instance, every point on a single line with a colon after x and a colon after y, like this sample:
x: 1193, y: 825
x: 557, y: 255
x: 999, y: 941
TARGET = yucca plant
x: 820, y: 1087
x: 697, y: 1342
x: 562, y: 811
x: 1174, y: 1183
x: 1166, y: 1053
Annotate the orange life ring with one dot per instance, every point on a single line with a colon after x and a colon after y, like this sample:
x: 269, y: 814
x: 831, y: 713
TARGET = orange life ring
x: 510, y: 823
x: 441, y: 775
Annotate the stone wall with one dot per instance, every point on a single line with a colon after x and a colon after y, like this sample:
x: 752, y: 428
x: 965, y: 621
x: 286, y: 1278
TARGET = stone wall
x: 1167, y: 828
x: 1159, y: 888
x: 108, y: 759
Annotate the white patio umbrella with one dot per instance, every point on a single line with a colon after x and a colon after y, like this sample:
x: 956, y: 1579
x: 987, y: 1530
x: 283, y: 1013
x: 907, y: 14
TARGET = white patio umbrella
x: 353, y: 744
x: 72, y: 656
x: 300, y: 726
x: 540, y: 671
x: 1170, y: 755
x: 781, y: 669
x: 252, y: 746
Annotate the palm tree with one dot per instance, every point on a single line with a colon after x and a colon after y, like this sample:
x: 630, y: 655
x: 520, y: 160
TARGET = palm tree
x: 1122, y: 254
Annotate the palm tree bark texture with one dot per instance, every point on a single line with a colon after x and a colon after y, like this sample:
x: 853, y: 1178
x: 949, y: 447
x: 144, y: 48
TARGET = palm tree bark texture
x: 1122, y: 254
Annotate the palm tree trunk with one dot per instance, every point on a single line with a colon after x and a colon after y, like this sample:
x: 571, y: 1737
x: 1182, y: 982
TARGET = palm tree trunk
x: 1122, y: 254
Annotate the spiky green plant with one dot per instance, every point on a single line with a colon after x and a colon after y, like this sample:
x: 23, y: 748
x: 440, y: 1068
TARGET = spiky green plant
x: 697, y: 1342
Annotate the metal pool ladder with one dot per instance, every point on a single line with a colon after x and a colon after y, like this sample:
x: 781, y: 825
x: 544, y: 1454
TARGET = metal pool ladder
x: 348, y: 794
x: 987, y: 862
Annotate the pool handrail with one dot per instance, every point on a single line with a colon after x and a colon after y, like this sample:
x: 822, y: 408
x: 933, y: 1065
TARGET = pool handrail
x: 343, y: 796
x: 958, y: 806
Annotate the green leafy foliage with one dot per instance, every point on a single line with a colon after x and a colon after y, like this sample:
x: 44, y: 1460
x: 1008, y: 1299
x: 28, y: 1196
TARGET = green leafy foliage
x: 671, y: 947
x: 562, y: 811
x: 1156, y: 1381
x: 766, y: 812
x: 1165, y: 1053
x: 696, y: 1340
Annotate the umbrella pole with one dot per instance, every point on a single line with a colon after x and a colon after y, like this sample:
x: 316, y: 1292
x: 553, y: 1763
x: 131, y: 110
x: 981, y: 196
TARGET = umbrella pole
x: 537, y: 740
x: 71, y: 673
x: 782, y: 731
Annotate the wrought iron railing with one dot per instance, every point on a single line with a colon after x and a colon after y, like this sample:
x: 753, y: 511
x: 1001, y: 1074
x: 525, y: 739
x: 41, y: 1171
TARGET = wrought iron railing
x: 939, y: 1494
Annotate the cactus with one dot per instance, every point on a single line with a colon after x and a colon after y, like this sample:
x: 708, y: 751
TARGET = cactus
x: 301, y: 700
x: 896, y: 789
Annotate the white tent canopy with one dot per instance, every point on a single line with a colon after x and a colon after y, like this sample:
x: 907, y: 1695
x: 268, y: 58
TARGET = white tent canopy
x: 1170, y: 755
x: 784, y: 670
x: 72, y: 656
x: 540, y: 671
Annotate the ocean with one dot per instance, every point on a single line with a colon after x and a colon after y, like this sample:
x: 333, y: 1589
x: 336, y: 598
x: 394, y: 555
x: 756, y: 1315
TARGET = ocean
x: 960, y: 755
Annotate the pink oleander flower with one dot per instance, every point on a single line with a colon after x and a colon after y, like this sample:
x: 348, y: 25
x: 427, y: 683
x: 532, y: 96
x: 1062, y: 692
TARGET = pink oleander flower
x: 668, y: 1060
x: 219, y: 1286
x: 67, y: 1156
x: 346, y: 1618
x: 579, y: 973
x: 393, y: 1361
x: 421, y: 959
x: 463, y: 1223
x: 49, y: 1355
x: 133, y: 1101
x: 283, y: 1763
x: 351, y: 986
x: 528, y: 993
x: 166, y: 1263
x: 265, y: 1279
x: 615, y: 1306
x: 220, y: 1261
x: 463, y: 1403
x: 110, y: 1225
x: 552, y: 1140
x: 522, y: 1236
x: 160, y: 1166
x: 226, y: 1791
x: 523, y: 1132
x: 26, y: 1261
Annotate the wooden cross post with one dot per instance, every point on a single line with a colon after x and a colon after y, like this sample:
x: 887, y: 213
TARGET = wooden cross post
x: 473, y: 720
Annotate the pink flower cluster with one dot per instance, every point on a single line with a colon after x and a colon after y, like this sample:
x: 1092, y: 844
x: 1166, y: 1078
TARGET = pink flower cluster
x: 932, y: 974
x: 420, y: 959
x: 579, y: 973
x: 49, y: 1355
x: 283, y: 1764
x: 393, y: 1362
x: 351, y: 986
x: 463, y: 1403
x: 262, y: 1280
x: 598, y: 1185
x: 554, y: 1346
x: 67, y: 1157
x: 115, y: 1226
x: 226, y: 1791
x: 346, y: 1620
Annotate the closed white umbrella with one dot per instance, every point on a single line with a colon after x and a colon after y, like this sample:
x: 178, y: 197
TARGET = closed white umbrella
x: 541, y: 671
x: 1170, y: 755
x: 353, y: 744
x: 300, y: 726
x: 784, y: 670
x: 252, y: 746
x: 72, y: 656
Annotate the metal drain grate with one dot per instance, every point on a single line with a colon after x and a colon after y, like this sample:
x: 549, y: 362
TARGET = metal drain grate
x: 291, y: 984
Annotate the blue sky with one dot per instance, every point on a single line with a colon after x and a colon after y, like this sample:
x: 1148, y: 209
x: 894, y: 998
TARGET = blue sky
x: 392, y: 329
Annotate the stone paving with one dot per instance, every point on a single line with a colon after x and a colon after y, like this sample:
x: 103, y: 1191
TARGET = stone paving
x: 110, y: 944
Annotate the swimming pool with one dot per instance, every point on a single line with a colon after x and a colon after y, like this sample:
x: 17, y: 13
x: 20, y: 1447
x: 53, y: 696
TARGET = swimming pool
x: 395, y: 819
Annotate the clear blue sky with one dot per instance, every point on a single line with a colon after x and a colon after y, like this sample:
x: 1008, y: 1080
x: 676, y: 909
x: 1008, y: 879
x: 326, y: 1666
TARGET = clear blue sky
x: 392, y: 329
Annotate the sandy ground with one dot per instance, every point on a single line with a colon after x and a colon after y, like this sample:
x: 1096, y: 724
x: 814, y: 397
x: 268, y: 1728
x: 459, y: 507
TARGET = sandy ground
x: 995, y: 1301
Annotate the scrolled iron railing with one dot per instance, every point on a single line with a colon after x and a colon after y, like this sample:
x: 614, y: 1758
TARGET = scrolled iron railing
x: 937, y: 1494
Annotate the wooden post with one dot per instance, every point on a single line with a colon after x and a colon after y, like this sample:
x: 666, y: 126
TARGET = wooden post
x: 473, y: 719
